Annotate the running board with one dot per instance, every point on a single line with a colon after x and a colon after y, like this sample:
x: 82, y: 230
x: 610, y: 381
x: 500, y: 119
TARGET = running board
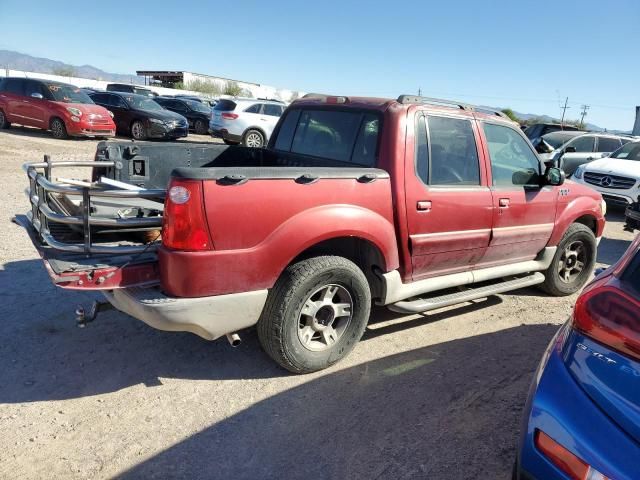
x: 425, y: 304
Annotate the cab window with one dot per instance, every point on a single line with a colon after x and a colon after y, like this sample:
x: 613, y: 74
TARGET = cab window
x: 582, y: 144
x: 446, y: 152
x: 513, y: 162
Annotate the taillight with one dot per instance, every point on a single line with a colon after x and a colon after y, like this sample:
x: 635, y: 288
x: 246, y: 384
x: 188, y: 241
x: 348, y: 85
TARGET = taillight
x: 184, y: 224
x: 572, y: 465
x: 229, y: 116
x: 610, y: 316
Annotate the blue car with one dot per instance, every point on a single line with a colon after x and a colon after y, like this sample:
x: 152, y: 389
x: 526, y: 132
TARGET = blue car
x: 582, y: 417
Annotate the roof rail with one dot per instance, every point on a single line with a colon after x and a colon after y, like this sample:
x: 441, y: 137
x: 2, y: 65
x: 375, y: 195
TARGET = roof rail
x: 404, y: 99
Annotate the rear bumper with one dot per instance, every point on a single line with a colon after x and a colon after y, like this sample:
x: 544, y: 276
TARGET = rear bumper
x: 224, y: 134
x: 558, y: 406
x: 208, y: 317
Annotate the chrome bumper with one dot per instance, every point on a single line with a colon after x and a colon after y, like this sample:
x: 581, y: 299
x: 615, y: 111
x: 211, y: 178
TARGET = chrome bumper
x: 208, y: 317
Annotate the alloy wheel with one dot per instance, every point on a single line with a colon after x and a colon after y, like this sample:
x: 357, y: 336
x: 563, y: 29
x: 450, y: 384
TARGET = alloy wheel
x: 324, y: 317
x: 572, y: 261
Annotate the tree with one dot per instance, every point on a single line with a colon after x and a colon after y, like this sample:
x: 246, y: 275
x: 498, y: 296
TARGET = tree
x: 509, y: 113
x: 64, y: 71
x: 232, y: 88
x: 294, y: 96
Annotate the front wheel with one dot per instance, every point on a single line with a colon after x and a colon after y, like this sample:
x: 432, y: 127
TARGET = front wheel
x: 4, y: 123
x: 315, y: 314
x: 573, y: 262
x: 58, y: 129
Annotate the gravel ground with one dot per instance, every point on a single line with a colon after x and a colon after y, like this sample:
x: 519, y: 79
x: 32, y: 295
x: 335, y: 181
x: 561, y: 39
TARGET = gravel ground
x: 424, y: 396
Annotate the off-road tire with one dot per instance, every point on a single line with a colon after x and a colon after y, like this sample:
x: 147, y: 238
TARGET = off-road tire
x: 278, y: 326
x: 4, y: 123
x: 253, y: 138
x: 58, y: 128
x: 138, y: 131
x: 553, y: 283
x: 200, y: 127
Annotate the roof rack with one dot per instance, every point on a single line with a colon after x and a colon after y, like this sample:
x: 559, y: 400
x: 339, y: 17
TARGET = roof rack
x: 405, y: 99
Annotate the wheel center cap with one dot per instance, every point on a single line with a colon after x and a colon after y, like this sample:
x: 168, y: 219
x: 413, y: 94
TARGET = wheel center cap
x: 324, y: 317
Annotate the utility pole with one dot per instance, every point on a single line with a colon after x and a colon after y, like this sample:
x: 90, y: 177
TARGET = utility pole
x: 419, y: 92
x: 583, y: 113
x: 564, y: 110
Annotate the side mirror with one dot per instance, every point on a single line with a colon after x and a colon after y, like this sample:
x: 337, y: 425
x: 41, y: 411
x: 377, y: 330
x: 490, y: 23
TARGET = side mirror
x: 554, y: 176
x: 570, y: 149
x: 37, y: 95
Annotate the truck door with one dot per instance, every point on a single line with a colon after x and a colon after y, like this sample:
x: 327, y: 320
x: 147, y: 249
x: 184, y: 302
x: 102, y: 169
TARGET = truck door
x: 523, y: 211
x: 448, y: 201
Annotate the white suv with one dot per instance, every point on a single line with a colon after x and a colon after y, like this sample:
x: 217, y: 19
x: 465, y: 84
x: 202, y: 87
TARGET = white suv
x: 616, y: 177
x: 248, y: 121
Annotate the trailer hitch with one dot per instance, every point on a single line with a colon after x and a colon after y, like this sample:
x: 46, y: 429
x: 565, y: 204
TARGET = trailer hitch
x: 84, y: 317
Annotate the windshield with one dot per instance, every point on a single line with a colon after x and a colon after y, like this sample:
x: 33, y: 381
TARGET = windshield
x: 68, y: 93
x: 631, y: 151
x: 142, y: 103
x: 197, y: 106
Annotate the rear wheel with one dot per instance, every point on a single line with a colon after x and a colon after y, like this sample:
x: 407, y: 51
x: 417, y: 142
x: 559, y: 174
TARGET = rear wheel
x: 200, y: 127
x: 315, y: 314
x: 138, y: 132
x: 4, y: 123
x: 253, y: 139
x: 572, y: 263
x: 58, y: 129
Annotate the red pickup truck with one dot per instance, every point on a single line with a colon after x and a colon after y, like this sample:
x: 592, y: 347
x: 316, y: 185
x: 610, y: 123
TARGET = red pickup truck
x: 355, y: 201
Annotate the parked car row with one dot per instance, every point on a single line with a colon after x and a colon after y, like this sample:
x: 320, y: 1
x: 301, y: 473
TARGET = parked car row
x: 63, y: 109
x: 129, y: 110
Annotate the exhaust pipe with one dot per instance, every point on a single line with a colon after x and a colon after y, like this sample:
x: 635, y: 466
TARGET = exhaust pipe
x: 234, y: 339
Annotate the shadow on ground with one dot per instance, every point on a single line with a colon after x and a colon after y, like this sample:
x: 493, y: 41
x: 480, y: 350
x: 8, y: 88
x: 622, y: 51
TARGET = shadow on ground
x: 426, y: 413
x: 117, y: 351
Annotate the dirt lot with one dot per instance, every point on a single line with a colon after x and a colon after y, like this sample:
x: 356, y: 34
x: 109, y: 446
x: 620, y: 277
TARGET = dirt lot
x: 425, y: 396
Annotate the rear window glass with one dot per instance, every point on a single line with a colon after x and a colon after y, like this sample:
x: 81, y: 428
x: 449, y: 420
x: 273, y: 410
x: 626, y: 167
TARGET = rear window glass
x: 336, y: 135
x: 225, y: 105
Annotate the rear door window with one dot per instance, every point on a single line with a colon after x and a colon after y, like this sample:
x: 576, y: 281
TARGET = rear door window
x: 14, y: 85
x: 255, y: 108
x: 345, y: 136
x: 608, y: 145
x: 453, y: 155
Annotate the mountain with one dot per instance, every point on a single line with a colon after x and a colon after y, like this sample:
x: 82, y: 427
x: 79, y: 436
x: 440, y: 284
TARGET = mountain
x: 547, y: 119
x: 20, y: 61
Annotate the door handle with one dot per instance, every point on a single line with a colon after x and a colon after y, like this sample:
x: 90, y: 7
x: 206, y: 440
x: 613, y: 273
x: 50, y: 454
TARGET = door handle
x: 424, y: 205
x: 504, y: 202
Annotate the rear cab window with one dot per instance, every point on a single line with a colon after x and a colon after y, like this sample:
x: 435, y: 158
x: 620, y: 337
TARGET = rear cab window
x: 347, y: 136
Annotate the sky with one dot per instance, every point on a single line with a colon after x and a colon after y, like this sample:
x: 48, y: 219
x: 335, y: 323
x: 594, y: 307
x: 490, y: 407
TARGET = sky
x: 528, y: 56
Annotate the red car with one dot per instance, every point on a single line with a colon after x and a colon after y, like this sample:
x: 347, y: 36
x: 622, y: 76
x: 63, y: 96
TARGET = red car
x: 62, y: 108
x: 354, y: 201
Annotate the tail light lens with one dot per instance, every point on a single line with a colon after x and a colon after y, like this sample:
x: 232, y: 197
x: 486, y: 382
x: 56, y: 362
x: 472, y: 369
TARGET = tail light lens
x: 229, y: 116
x: 570, y: 464
x: 184, y: 224
x: 610, y: 316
